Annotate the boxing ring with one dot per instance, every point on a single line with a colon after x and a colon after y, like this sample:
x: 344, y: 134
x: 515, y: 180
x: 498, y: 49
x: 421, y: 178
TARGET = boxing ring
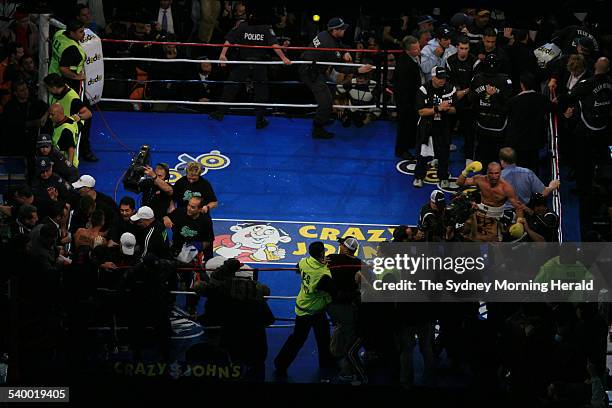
x: 278, y: 179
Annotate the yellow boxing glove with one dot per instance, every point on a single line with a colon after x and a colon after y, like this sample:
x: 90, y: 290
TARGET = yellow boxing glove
x: 473, y: 166
x: 516, y: 230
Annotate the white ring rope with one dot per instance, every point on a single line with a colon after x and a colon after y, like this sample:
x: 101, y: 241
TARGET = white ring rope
x: 183, y: 292
x: 279, y: 105
x: 344, y: 64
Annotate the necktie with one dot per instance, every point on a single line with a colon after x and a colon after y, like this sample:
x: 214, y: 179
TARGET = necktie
x: 165, y: 20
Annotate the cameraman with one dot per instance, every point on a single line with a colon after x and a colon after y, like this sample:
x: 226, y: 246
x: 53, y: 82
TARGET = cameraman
x: 540, y: 222
x: 156, y: 191
x: 431, y: 217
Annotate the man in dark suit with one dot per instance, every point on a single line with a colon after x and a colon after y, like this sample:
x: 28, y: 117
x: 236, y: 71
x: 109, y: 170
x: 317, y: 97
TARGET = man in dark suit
x: 407, y: 78
x: 526, y: 131
x: 174, y: 18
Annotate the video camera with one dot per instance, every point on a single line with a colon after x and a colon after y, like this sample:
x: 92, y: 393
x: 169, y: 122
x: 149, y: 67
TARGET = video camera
x: 458, y: 210
x: 136, y: 170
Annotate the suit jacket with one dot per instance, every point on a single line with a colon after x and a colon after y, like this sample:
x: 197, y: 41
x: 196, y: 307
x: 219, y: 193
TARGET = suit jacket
x: 406, y: 80
x: 527, y: 120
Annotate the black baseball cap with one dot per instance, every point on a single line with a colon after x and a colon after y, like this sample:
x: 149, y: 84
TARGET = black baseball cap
x: 439, y: 72
x: 443, y: 32
x: 438, y: 197
x: 337, y: 23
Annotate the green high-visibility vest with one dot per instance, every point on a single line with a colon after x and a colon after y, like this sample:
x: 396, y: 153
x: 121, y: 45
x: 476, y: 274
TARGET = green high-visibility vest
x: 310, y: 300
x: 73, y: 127
x: 60, y: 43
x: 66, y: 101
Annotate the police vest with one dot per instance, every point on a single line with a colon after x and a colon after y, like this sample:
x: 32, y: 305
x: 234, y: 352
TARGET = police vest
x: 310, y: 300
x: 73, y: 127
x: 66, y: 101
x: 60, y: 43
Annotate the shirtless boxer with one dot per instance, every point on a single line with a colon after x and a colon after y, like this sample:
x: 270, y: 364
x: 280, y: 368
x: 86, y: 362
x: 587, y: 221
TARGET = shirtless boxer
x: 494, y: 192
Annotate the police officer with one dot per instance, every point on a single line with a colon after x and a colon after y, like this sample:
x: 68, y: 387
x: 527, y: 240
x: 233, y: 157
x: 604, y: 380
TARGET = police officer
x: 315, y: 77
x: 61, y: 166
x: 434, y: 101
x: 490, y: 92
x: 315, y: 294
x: 460, y: 73
x: 594, y: 98
x: 253, y: 32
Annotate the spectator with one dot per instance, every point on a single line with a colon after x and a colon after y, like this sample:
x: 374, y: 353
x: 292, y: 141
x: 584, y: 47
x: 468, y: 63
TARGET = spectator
x: 153, y: 239
x: 360, y: 91
x: 459, y: 23
x: 91, y: 235
x: 526, y: 132
x: 424, y: 36
x: 27, y: 218
x: 23, y: 118
x: 9, y: 68
x: 82, y: 213
x: 481, y: 22
x: 23, y: 31
x: 110, y: 258
x: 406, y: 81
x: 85, y: 186
x: 29, y: 74
x: 210, y: 10
x: 83, y: 15
x: 424, y: 23
x: 15, y: 198
x: 194, y: 185
x: 437, y: 51
x: 524, y: 181
x: 173, y: 19
x: 191, y: 227
x: 395, y: 30
x: 127, y: 208
x: 522, y: 57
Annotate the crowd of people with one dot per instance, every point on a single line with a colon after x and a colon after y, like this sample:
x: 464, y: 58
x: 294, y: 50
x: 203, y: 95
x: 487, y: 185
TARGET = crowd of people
x: 465, y: 74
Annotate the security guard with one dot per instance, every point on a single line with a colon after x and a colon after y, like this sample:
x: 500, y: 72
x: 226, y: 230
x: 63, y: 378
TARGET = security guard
x: 61, y: 93
x: 314, y: 76
x: 594, y: 99
x: 65, y: 136
x: 253, y: 32
x: 67, y: 56
x: 434, y: 101
x: 490, y: 92
x: 310, y: 306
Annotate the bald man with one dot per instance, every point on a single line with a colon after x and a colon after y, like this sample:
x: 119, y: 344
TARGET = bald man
x: 494, y: 193
x: 65, y: 135
x: 591, y: 99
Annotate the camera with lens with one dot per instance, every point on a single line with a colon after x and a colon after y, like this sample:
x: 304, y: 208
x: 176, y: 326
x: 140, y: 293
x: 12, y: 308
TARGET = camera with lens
x: 136, y: 171
x: 458, y: 210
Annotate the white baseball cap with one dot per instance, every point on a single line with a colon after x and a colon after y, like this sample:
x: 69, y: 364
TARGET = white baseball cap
x: 84, y: 181
x: 128, y: 243
x: 144, y: 213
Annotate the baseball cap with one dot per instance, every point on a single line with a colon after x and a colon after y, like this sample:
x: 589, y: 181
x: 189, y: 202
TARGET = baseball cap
x: 586, y: 43
x: 337, y: 23
x: 483, y: 12
x: 439, y: 72
x: 425, y: 19
x: 443, y: 32
x: 144, y: 213
x: 350, y: 242
x: 438, y: 197
x: 128, y: 243
x: 84, y: 181
x: 43, y: 163
x: 459, y: 19
x: 43, y: 139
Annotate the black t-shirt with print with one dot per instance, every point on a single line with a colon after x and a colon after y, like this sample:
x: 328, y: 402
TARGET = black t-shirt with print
x: 183, y: 191
x: 187, y: 229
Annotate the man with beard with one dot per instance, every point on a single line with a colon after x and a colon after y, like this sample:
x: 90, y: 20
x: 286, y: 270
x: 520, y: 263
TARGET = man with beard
x: 494, y: 192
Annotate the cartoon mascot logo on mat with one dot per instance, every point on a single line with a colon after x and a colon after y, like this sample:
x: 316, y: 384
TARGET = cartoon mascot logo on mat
x: 250, y: 242
x: 213, y: 160
x: 431, y: 175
